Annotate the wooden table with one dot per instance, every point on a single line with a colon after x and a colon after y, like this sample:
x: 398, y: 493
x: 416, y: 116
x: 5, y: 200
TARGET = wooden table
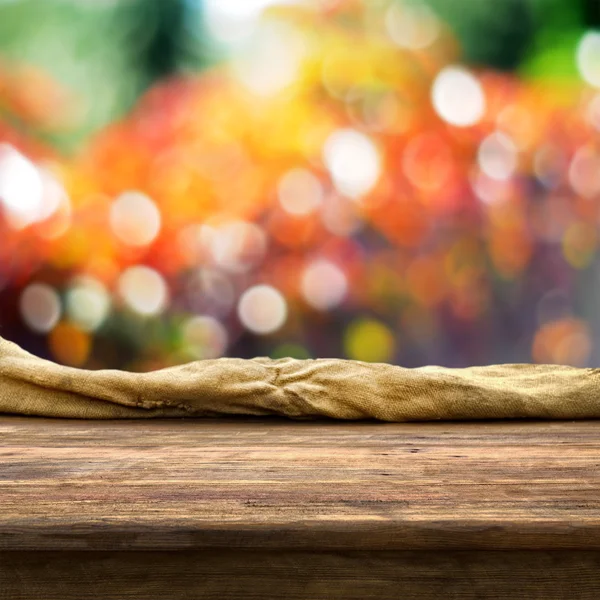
x: 261, y: 509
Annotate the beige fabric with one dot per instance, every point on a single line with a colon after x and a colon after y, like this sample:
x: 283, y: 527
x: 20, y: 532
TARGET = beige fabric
x: 300, y: 389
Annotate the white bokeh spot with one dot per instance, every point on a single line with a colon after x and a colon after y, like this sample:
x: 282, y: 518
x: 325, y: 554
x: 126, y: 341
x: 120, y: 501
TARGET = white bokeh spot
x: 458, y: 97
x: 353, y: 161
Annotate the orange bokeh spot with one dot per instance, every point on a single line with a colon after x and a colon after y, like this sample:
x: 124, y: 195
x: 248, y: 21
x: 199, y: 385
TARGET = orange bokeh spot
x: 566, y: 341
x: 69, y: 344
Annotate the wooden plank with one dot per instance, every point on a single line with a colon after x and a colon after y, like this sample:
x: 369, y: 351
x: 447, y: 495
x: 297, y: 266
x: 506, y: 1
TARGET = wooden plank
x: 272, y: 484
x: 296, y: 575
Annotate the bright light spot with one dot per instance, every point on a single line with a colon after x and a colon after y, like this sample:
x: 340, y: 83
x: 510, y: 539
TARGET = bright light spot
x: 237, y: 246
x: 412, y: 26
x: 497, y: 156
x: 324, y: 285
x: 300, y: 192
x: 88, y: 303
x: 272, y: 61
x: 457, y: 97
x: 135, y: 219
x: 232, y: 21
x: 40, y: 307
x: 584, y: 172
x: 21, y: 188
x: 262, y: 309
x: 588, y: 58
x: 239, y: 8
x: 353, y: 161
x: 205, y: 337
x: 143, y: 290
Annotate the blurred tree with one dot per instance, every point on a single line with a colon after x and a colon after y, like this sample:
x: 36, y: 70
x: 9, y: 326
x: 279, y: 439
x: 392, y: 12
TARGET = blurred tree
x: 559, y: 27
x: 537, y: 37
x: 107, y: 53
x: 171, y: 33
x: 591, y: 12
x: 497, y: 34
x: 164, y: 49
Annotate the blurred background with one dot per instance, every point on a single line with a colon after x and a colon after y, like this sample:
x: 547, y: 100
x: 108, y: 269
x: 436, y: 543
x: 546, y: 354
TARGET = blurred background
x: 382, y: 180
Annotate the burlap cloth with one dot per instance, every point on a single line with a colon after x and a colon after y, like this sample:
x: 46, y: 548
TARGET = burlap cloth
x: 299, y: 389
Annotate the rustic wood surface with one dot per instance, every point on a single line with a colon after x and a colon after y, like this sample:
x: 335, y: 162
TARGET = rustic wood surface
x: 269, y: 509
x: 299, y: 574
x: 271, y: 484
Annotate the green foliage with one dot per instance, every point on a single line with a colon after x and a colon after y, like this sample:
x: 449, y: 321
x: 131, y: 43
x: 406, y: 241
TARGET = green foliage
x: 496, y: 34
x: 106, y: 52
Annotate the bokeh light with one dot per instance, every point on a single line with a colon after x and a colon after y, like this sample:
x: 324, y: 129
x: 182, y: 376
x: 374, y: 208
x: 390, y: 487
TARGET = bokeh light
x: 369, y: 340
x: 457, y: 97
x: 135, y: 219
x: 205, y: 337
x: 566, y: 341
x: 232, y: 21
x: 414, y: 26
x: 21, y: 187
x: 237, y: 246
x: 300, y: 192
x: 588, y: 58
x: 262, y: 309
x: 497, y: 156
x: 584, y: 172
x: 144, y: 290
x: 353, y: 162
x: 324, y: 285
x: 70, y: 345
x: 40, y: 307
x: 272, y: 61
x: 88, y: 303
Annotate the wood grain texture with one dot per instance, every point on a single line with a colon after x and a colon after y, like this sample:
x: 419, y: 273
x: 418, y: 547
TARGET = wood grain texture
x: 273, y: 484
x: 299, y: 574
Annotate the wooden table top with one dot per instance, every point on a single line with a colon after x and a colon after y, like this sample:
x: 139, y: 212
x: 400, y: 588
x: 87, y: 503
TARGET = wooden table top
x: 269, y: 483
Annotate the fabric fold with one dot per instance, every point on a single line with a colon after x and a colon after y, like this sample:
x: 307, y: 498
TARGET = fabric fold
x: 298, y: 389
